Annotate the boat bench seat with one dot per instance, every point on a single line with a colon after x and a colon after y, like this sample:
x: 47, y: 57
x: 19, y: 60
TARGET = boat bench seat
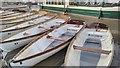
x: 92, y: 50
x: 59, y: 39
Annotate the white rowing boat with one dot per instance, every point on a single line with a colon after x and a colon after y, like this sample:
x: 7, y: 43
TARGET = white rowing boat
x: 17, y: 28
x: 7, y: 25
x: 47, y: 44
x: 11, y: 15
x: 6, y: 13
x: 93, y: 46
x: 24, y: 37
x: 20, y: 16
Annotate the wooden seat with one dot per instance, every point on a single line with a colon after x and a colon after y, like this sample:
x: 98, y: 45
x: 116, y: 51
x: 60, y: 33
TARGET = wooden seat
x: 59, y: 39
x: 92, y: 50
x: 43, y: 27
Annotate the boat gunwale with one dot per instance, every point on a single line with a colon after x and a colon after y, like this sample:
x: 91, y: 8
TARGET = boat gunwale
x: 112, y: 54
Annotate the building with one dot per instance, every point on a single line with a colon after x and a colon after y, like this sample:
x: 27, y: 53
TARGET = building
x: 84, y: 7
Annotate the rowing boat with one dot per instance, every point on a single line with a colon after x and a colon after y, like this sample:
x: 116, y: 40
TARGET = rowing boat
x: 47, y: 44
x: 12, y: 15
x: 27, y: 35
x: 94, y: 46
x: 26, y: 14
x: 6, y: 13
x: 20, y: 16
x: 7, y: 25
x: 17, y: 28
